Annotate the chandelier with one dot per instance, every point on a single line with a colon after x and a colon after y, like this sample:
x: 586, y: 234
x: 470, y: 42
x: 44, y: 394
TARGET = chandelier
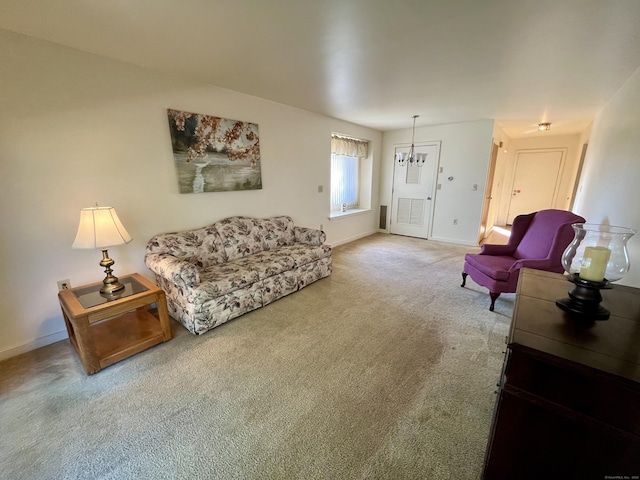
x: 412, y: 158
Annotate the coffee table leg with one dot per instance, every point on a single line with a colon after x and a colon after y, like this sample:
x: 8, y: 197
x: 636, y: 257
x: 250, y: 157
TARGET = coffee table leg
x: 163, y: 314
x: 86, y: 345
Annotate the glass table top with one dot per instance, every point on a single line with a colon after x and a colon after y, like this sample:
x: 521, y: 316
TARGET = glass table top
x: 91, y: 296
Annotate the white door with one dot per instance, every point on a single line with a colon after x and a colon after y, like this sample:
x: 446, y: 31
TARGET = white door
x: 413, y: 192
x: 536, y: 181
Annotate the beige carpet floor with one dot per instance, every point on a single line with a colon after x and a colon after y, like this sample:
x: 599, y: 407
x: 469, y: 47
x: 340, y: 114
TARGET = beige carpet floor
x: 384, y: 370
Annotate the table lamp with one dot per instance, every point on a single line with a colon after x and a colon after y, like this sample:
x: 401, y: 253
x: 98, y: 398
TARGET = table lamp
x: 597, y: 256
x: 101, y: 228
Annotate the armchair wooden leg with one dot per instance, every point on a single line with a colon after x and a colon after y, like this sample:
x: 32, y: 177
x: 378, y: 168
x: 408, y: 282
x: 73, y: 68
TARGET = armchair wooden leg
x: 464, y: 278
x: 493, y: 296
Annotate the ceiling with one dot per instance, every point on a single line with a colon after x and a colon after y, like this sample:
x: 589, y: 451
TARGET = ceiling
x: 372, y: 62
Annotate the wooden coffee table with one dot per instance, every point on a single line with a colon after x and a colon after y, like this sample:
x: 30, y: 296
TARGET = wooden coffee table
x: 107, y: 329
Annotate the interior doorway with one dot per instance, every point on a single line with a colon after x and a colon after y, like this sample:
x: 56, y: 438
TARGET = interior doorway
x: 497, y: 236
x: 413, y: 192
x: 488, y: 193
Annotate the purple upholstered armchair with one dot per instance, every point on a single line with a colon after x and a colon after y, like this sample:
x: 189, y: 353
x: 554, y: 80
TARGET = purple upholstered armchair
x: 537, y: 241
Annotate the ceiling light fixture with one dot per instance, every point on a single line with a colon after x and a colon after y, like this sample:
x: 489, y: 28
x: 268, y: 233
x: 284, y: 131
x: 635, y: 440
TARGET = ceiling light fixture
x: 543, y: 127
x: 413, y: 157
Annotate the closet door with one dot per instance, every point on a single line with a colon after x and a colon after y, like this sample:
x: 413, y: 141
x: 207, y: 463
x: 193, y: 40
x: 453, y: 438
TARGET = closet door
x: 536, y: 181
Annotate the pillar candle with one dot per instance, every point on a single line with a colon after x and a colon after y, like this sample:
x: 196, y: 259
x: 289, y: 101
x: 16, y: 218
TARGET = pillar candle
x: 594, y: 263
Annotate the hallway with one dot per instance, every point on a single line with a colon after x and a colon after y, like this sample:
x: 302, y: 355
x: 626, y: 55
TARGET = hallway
x: 499, y: 235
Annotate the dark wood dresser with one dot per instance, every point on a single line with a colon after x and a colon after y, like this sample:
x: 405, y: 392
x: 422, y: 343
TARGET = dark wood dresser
x: 568, y: 403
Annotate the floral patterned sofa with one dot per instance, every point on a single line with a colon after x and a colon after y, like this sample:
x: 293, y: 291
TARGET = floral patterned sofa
x: 219, y: 272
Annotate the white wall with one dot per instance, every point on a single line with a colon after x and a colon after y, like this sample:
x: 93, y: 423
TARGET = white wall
x: 76, y: 129
x: 464, y: 155
x: 543, y: 141
x: 608, y: 190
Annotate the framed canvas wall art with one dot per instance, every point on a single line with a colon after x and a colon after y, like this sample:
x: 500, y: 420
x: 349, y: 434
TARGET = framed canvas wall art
x: 214, y: 154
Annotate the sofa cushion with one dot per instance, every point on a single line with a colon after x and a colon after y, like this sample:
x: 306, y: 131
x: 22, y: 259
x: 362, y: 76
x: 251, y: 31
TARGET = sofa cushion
x: 538, y: 238
x: 271, y: 262
x: 276, y: 232
x: 211, y: 251
x: 222, y: 279
x: 304, y: 254
x: 239, y: 236
x: 494, y: 266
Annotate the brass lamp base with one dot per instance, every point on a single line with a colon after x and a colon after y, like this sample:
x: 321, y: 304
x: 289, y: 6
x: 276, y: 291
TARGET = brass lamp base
x: 111, y: 284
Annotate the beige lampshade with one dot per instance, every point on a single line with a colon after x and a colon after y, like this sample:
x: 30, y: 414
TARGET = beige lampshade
x: 100, y: 227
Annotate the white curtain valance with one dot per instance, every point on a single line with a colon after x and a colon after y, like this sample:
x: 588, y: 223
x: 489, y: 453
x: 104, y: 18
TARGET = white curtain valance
x: 349, y: 146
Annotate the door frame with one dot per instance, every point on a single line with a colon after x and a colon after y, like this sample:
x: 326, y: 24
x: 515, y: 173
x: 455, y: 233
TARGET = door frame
x: 574, y: 191
x: 488, y: 191
x: 432, y: 194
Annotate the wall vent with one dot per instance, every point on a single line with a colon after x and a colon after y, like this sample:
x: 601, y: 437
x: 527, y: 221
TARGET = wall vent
x: 383, y: 217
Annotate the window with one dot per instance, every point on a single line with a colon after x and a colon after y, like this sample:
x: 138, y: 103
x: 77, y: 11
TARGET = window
x: 344, y: 182
x: 350, y: 174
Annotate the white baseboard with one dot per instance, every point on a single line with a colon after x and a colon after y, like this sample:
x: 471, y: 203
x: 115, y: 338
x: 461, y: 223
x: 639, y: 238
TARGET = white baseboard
x: 352, y: 239
x: 454, y: 240
x: 436, y: 239
x: 37, y: 343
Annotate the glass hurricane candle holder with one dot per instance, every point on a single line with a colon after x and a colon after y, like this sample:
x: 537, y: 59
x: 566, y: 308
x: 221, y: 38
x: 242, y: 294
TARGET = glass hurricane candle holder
x: 597, y: 256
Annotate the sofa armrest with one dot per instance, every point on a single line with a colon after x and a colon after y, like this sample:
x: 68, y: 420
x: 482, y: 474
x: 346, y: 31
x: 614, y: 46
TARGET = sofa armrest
x: 537, y: 263
x: 173, y: 269
x: 311, y: 236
